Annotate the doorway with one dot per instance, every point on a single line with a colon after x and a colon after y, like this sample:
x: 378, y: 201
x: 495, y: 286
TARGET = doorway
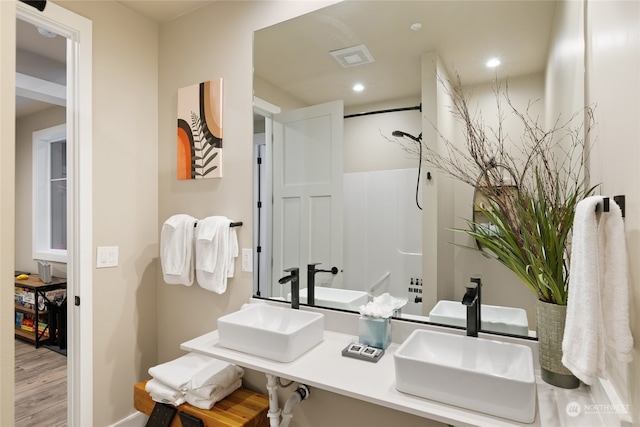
x: 41, y: 199
x: 77, y: 31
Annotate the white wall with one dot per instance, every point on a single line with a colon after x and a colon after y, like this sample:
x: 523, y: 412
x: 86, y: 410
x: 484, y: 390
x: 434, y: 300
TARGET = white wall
x: 382, y: 232
x: 613, y: 46
x: 564, y: 89
x: 431, y: 263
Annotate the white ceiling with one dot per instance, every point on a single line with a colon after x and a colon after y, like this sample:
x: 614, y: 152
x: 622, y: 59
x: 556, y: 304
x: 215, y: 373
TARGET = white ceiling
x: 165, y: 10
x: 294, y: 55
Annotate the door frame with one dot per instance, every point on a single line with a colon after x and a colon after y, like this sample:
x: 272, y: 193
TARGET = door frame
x: 266, y: 110
x: 78, y: 31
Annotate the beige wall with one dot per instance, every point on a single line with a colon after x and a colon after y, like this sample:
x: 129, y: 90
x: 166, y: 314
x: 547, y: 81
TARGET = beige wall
x: 125, y: 201
x: 368, y: 144
x: 7, y: 211
x: 25, y: 126
x: 613, y: 43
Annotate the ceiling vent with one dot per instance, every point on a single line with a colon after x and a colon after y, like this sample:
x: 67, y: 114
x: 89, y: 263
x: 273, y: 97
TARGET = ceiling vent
x: 352, y: 56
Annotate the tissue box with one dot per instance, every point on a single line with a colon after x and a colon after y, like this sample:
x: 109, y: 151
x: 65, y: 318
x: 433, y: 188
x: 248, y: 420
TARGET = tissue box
x: 375, y: 331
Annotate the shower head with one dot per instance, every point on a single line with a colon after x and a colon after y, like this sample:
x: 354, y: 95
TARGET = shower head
x: 400, y: 134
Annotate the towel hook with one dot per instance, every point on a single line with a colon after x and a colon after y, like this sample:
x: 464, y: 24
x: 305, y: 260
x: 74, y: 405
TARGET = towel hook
x: 619, y: 200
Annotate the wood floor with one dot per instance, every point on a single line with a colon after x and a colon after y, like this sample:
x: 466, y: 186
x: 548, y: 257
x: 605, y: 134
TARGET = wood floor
x: 40, y: 386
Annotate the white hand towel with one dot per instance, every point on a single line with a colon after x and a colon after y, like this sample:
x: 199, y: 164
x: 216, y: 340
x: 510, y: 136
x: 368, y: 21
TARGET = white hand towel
x: 597, y: 306
x: 581, y: 345
x: 216, y: 248
x: 176, y: 250
x: 615, y: 292
x: 208, y: 403
x: 162, y: 393
x: 178, y: 373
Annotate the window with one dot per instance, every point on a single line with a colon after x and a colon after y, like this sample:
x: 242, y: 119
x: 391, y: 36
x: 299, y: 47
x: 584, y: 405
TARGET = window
x: 50, y: 194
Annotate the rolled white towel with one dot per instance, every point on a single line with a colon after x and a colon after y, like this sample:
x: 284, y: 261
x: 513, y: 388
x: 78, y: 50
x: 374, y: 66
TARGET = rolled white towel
x: 162, y: 393
x: 203, y: 403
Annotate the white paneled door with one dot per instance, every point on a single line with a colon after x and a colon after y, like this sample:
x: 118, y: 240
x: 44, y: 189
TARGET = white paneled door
x: 307, y: 191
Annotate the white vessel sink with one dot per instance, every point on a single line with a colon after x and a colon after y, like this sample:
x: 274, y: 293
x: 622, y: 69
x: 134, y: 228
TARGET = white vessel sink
x: 275, y: 333
x: 483, y: 375
x: 345, y: 299
x: 507, y: 320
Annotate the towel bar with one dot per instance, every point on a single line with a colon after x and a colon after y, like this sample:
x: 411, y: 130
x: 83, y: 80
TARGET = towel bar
x: 233, y: 224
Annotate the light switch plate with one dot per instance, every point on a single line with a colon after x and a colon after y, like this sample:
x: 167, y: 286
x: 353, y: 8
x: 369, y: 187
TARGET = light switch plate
x: 106, y: 256
x: 247, y: 260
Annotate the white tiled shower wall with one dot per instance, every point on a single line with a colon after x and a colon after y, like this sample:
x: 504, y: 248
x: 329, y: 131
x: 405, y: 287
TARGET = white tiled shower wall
x: 382, y: 233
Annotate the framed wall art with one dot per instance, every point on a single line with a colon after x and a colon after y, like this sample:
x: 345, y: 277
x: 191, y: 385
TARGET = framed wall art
x: 200, y: 131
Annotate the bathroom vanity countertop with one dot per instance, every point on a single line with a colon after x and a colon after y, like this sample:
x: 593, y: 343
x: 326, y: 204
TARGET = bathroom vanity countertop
x: 324, y: 367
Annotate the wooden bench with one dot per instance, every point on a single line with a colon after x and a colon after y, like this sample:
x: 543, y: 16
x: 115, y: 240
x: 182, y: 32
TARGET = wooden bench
x: 242, y: 408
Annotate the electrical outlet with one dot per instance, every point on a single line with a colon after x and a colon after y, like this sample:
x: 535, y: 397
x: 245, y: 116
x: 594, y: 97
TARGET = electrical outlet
x: 247, y: 260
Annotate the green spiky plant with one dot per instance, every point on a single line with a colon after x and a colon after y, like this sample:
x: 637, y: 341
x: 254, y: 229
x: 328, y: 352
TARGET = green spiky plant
x: 532, y: 239
x: 531, y: 208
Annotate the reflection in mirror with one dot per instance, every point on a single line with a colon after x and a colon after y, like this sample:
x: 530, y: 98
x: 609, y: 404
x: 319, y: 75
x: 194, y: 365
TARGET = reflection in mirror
x: 358, y: 194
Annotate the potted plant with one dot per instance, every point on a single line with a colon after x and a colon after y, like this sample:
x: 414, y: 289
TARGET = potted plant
x: 530, y: 189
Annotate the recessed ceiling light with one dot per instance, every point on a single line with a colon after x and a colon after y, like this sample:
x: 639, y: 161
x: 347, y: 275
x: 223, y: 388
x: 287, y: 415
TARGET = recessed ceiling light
x: 358, y: 87
x: 493, y: 62
x: 416, y: 26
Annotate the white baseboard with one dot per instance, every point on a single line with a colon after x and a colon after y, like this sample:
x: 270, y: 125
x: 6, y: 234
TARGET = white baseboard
x: 137, y: 419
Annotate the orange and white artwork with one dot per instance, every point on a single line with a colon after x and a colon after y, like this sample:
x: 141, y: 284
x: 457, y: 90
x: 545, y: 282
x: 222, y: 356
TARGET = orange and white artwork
x: 200, y: 130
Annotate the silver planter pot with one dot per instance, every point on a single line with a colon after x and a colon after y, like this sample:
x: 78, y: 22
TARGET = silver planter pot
x: 550, y: 319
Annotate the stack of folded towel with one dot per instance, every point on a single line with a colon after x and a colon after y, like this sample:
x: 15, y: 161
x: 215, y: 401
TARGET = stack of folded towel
x: 193, y: 378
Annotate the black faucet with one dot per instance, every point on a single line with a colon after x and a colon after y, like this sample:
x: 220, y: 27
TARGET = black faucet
x: 311, y: 280
x: 473, y: 300
x: 294, y: 278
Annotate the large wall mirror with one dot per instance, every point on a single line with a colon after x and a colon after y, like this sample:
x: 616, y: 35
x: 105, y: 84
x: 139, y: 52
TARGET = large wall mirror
x: 336, y: 188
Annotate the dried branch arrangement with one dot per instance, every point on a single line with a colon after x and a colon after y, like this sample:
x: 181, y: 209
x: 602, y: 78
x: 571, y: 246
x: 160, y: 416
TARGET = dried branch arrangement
x: 532, y: 184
